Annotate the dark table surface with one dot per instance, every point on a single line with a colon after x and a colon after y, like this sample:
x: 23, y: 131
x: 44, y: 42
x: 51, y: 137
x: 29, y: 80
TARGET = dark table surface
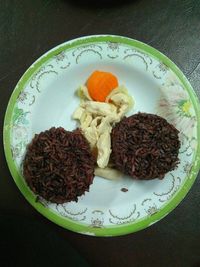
x: 28, y: 28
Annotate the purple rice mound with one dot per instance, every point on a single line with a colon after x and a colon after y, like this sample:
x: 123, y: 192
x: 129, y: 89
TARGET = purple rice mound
x: 145, y: 146
x: 58, y: 165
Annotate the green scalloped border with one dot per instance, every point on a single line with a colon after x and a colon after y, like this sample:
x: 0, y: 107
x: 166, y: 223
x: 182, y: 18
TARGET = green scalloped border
x: 65, y: 222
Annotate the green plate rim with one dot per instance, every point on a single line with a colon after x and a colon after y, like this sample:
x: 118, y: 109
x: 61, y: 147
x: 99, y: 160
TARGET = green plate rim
x: 68, y: 223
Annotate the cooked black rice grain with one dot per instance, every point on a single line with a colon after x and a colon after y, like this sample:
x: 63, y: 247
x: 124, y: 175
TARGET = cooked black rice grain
x: 59, y: 165
x: 145, y: 146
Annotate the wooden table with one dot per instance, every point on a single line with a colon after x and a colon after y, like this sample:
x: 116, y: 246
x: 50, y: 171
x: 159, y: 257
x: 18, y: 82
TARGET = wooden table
x: 28, y: 29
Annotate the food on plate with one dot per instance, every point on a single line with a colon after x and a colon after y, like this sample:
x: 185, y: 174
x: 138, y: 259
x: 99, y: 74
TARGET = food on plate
x: 145, y: 146
x: 100, y: 84
x: 59, y: 165
x: 97, y: 118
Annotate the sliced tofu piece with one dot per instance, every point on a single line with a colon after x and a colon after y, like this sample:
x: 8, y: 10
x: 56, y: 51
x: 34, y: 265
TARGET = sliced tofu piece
x: 78, y: 113
x: 108, y: 173
x: 82, y: 92
x: 91, y: 135
x: 100, y: 108
x: 87, y: 121
x: 104, y: 149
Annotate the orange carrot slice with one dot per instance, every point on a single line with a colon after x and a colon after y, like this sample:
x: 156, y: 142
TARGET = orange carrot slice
x: 100, y: 84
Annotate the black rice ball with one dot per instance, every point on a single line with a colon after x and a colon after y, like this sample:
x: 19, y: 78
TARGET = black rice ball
x: 145, y: 146
x: 59, y: 165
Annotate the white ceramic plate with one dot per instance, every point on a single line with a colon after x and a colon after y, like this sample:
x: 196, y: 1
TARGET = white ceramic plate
x: 45, y: 97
